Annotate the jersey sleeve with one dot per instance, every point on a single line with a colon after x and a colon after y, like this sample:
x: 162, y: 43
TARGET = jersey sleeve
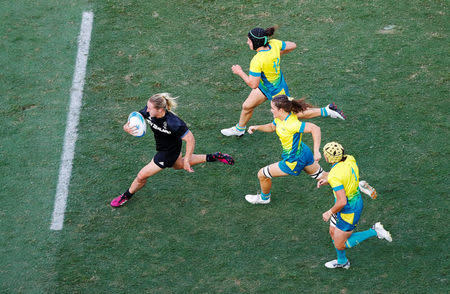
x: 178, y: 127
x: 335, y: 182
x: 144, y: 112
x: 255, y: 67
x: 278, y: 44
x: 275, y: 121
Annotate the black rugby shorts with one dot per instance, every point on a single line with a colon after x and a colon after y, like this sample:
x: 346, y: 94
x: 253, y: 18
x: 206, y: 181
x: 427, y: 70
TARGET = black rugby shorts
x: 165, y: 159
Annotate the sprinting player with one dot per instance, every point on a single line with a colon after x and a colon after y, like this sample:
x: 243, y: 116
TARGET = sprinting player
x: 169, y: 132
x: 267, y: 80
x: 346, y: 211
x: 296, y: 155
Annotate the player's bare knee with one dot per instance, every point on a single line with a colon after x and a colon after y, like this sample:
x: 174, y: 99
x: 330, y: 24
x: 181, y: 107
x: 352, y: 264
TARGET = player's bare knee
x: 247, y: 107
x: 142, y: 179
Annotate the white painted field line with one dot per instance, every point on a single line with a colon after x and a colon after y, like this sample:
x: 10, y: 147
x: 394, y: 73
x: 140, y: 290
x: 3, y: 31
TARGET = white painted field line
x: 73, y: 118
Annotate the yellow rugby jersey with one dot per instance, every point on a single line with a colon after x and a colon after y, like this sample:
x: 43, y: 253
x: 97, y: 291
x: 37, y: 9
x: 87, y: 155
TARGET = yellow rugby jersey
x: 266, y: 64
x: 290, y: 131
x: 345, y: 175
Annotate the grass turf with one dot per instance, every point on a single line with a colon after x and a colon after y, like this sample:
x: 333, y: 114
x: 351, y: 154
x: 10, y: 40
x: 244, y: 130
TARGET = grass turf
x: 195, y: 232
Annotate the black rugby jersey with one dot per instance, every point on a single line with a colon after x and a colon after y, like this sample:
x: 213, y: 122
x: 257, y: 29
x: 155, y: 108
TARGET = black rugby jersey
x: 167, y: 130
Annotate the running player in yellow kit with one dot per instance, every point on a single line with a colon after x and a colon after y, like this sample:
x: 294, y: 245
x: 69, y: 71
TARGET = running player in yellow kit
x: 346, y: 211
x: 267, y: 80
x: 296, y: 155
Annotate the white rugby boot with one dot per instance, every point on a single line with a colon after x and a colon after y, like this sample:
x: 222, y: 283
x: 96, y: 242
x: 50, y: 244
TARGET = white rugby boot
x: 334, y: 264
x: 381, y: 232
x: 335, y: 112
x: 233, y: 131
x: 368, y: 189
x: 256, y: 199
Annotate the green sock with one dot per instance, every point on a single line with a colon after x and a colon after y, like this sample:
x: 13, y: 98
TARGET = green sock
x: 358, y: 237
x: 265, y: 196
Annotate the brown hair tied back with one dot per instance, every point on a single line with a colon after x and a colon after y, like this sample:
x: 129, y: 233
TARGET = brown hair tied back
x: 270, y: 31
x: 289, y: 104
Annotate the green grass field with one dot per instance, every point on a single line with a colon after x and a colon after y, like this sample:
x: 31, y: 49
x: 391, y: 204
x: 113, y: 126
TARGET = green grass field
x: 195, y: 233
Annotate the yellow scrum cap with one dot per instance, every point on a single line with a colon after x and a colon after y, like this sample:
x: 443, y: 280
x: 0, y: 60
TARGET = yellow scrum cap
x: 333, y: 151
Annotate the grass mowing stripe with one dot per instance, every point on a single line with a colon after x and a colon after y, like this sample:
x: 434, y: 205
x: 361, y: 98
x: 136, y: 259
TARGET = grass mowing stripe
x: 73, y: 118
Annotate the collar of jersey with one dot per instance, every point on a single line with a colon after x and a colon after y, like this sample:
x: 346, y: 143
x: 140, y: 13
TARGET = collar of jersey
x: 266, y: 50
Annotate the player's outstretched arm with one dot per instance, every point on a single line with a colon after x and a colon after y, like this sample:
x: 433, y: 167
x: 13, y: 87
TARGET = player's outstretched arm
x: 251, y: 81
x: 289, y: 47
x: 268, y: 128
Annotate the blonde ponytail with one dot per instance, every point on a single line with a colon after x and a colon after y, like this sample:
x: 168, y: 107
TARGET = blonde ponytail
x: 163, y: 100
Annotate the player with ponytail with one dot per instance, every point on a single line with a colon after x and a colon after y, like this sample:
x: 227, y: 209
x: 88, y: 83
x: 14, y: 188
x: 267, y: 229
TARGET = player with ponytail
x: 164, y: 101
x: 169, y: 131
x: 266, y: 79
x: 296, y: 155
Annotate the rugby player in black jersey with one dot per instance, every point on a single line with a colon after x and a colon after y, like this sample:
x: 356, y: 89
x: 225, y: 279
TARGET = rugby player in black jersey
x: 169, y: 132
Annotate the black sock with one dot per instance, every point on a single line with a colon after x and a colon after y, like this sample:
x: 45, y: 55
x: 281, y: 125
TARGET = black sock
x: 128, y: 194
x: 210, y: 158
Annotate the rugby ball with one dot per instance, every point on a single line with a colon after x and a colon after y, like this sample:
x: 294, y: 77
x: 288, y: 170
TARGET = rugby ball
x: 135, y: 119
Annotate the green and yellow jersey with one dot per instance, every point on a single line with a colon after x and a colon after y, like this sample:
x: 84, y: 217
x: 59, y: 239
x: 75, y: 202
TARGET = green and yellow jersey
x: 266, y: 64
x: 344, y: 175
x: 290, y: 131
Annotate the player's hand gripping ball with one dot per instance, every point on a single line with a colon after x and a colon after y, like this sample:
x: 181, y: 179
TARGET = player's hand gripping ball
x: 135, y: 119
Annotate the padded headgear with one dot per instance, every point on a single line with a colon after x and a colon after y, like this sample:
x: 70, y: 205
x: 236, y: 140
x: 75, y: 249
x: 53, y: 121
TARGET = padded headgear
x: 333, y: 151
x: 258, y: 37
